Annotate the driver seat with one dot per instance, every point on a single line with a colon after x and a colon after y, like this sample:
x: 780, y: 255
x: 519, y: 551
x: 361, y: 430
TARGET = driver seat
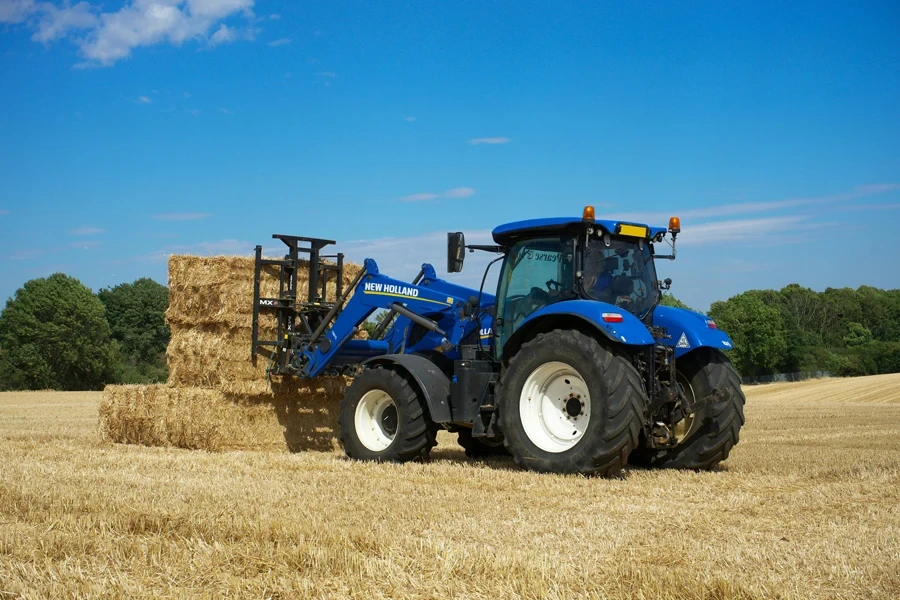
x: 622, y: 285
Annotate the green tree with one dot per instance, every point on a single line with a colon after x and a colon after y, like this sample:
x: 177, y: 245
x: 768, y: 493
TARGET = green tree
x: 670, y: 300
x: 857, y: 335
x: 54, y: 335
x: 137, y: 319
x: 756, y: 329
x: 842, y: 306
x: 371, y: 326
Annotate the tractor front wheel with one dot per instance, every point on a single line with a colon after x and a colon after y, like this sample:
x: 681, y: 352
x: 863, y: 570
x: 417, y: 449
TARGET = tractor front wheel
x: 383, y: 418
x: 570, y: 405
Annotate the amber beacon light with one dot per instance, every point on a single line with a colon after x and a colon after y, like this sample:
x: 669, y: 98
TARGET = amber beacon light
x: 674, y: 225
x: 588, y: 214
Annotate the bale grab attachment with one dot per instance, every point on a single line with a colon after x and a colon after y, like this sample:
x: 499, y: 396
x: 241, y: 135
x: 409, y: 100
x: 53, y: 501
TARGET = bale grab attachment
x: 297, y: 318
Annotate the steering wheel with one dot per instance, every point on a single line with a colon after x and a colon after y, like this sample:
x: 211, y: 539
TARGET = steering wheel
x: 528, y: 303
x: 551, y: 283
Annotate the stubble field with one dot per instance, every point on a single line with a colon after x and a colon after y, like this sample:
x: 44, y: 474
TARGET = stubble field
x: 806, y: 507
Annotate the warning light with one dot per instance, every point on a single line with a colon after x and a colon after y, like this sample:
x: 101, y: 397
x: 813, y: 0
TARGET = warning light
x: 588, y: 214
x: 711, y: 324
x: 674, y: 225
x: 612, y: 317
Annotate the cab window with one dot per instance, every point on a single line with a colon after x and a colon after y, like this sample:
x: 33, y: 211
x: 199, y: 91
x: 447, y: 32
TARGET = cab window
x: 534, y: 274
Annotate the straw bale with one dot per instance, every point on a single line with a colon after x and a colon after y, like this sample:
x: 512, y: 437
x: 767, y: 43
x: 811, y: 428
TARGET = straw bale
x: 210, y: 319
x: 297, y: 416
x: 216, y: 398
x: 218, y: 290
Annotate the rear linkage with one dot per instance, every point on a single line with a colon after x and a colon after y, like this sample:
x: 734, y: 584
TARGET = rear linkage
x: 669, y: 404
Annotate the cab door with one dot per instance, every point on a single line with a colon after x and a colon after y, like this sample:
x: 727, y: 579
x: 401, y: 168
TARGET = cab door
x: 536, y: 272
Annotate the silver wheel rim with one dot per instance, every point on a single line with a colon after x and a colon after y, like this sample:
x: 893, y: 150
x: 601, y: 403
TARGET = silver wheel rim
x: 555, y: 407
x: 683, y: 428
x: 369, y: 420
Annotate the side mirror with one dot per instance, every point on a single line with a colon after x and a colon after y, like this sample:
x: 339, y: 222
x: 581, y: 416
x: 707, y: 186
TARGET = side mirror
x: 456, y: 251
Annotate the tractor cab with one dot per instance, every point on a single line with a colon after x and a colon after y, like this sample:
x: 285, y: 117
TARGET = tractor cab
x: 553, y: 260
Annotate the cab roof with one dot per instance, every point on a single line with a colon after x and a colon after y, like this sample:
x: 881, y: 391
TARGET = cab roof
x: 510, y: 232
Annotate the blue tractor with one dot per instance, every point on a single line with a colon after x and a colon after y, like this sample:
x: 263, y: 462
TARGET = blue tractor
x: 572, y: 367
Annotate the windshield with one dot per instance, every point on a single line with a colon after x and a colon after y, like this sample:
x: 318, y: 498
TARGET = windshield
x: 622, y: 273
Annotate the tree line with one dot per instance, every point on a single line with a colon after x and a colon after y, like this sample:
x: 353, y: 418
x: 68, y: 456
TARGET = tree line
x: 841, y: 330
x: 55, y: 333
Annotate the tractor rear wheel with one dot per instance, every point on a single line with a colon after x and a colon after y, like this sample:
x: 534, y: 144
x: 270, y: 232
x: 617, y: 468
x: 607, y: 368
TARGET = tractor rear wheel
x: 383, y: 418
x: 570, y: 405
x: 480, y: 447
x: 711, y: 433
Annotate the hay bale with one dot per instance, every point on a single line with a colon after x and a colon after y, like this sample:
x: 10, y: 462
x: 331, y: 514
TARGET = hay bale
x: 296, y: 417
x: 216, y: 398
x: 218, y: 290
x: 210, y: 317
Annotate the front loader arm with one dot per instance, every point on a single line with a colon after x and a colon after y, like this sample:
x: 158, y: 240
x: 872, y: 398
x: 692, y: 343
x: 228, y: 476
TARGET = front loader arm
x: 374, y: 291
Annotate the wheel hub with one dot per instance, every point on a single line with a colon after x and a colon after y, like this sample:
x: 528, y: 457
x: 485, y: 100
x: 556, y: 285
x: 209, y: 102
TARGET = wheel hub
x: 574, y: 406
x: 389, y: 420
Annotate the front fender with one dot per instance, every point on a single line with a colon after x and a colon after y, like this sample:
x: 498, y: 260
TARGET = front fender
x: 689, y: 330
x: 630, y: 331
x: 432, y: 382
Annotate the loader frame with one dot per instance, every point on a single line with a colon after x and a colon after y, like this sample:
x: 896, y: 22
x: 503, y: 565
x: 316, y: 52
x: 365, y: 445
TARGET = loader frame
x: 297, y: 318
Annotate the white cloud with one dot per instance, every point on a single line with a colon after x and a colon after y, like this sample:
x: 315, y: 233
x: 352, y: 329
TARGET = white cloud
x: 215, y: 9
x: 280, y: 42
x: 395, y: 259
x: 194, y: 112
x: 87, y: 231
x: 223, y: 35
x: 490, y: 140
x: 740, y: 230
x: 225, y: 111
x: 418, y: 197
x: 274, y: 17
x: 111, y: 36
x: 143, y: 100
x: 28, y: 254
x: 410, y: 119
x: 55, y: 22
x: 229, y: 247
x: 327, y: 74
x: 15, y: 11
x: 460, y: 192
x: 185, y: 216
x: 744, y: 208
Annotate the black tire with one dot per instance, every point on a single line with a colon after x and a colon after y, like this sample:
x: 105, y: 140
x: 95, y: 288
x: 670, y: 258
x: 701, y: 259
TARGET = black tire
x: 617, y: 403
x: 477, y: 448
x: 414, y: 435
x: 716, y: 430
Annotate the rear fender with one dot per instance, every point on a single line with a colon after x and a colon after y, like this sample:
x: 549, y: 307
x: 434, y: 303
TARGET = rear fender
x: 431, y: 381
x: 689, y: 330
x: 586, y: 313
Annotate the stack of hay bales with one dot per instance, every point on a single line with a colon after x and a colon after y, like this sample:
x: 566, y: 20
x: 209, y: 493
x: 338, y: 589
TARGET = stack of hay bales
x: 216, y: 398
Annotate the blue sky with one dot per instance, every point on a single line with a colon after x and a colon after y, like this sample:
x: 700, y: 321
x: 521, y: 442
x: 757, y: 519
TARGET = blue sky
x: 133, y: 130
